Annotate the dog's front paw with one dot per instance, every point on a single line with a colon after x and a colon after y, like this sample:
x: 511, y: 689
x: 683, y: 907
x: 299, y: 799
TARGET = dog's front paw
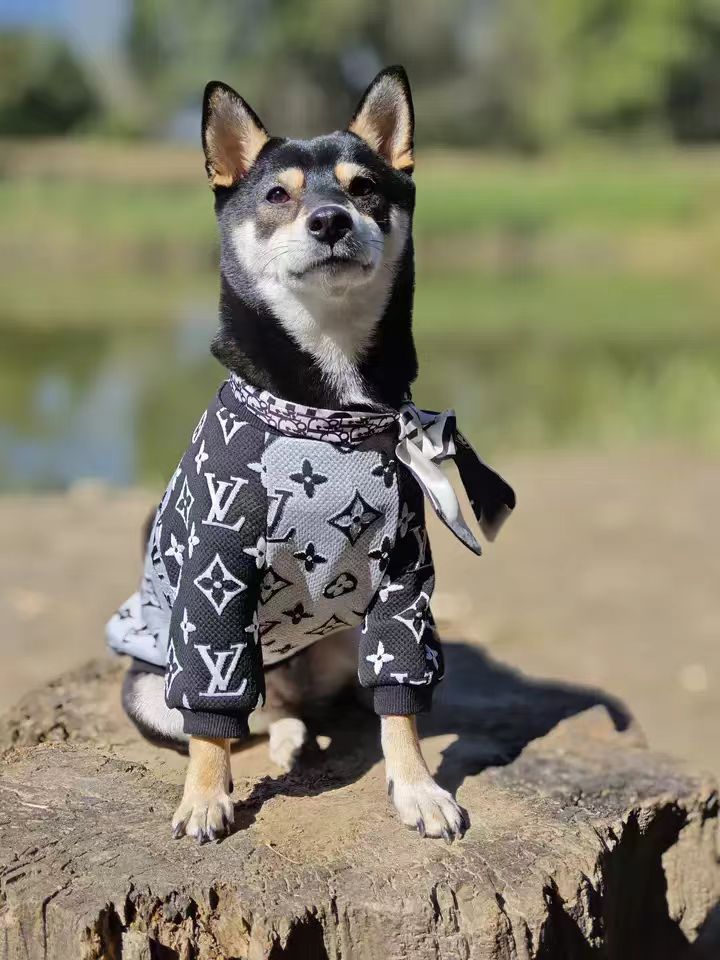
x: 205, y: 816
x: 287, y: 739
x: 429, y: 809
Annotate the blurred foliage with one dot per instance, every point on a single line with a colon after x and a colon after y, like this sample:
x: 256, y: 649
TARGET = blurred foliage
x: 43, y: 88
x: 512, y: 73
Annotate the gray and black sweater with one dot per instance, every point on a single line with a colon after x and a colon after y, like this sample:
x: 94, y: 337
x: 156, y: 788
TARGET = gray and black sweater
x: 283, y: 524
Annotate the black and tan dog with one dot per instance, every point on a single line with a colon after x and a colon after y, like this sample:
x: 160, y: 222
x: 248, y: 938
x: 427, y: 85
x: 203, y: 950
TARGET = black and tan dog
x: 315, y: 308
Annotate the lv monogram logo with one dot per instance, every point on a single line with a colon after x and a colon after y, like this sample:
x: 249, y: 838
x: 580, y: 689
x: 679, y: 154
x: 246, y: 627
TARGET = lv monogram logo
x: 221, y: 672
x: 223, y: 494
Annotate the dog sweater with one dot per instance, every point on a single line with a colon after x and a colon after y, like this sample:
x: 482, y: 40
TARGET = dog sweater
x: 283, y: 524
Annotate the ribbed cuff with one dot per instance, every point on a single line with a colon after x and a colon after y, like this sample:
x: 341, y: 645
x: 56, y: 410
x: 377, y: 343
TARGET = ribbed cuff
x: 200, y: 724
x: 401, y: 700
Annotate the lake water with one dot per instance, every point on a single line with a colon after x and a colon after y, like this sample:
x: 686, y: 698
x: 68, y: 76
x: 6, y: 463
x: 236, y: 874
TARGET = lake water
x: 118, y: 404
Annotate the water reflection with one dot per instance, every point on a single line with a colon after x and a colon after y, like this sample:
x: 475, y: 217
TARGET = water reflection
x: 119, y: 404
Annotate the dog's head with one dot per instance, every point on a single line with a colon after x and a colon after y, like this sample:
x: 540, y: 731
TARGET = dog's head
x: 307, y: 222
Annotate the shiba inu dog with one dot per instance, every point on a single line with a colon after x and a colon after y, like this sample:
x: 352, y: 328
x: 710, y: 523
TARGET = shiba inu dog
x: 292, y: 534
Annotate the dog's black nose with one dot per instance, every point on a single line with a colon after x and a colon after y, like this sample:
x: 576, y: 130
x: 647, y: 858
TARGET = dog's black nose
x: 329, y: 224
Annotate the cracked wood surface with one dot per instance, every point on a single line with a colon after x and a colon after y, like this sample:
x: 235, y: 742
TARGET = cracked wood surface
x: 584, y: 843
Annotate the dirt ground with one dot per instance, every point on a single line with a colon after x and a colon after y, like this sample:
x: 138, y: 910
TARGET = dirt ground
x: 607, y: 576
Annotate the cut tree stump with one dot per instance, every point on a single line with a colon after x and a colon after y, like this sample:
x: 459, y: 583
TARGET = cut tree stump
x: 584, y: 844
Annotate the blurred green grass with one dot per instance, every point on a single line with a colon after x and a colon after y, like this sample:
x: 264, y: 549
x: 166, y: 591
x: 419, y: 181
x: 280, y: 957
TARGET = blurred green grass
x: 573, y: 299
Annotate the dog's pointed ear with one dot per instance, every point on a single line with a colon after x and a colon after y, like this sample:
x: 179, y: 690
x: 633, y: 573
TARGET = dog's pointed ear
x: 385, y: 120
x: 232, y: 135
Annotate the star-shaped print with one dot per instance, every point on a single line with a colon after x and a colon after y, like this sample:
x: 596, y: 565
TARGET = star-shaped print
x: 354, y: 519
x: 415, y: 617
x: 172, y: 669
x: 272, y: 583
x: 330, y: 626
x: 184, y: 503
x: 218, y: 584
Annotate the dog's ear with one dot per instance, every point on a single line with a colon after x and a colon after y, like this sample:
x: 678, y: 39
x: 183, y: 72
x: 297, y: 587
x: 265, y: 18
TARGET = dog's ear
x: 385, y: 120
x: 232, y: 135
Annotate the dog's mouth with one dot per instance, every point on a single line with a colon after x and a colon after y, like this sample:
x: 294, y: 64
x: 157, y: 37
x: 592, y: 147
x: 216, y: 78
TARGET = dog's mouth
x: 333, y: 264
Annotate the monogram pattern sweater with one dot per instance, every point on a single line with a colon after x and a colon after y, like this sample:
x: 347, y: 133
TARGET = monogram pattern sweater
x: 281, y: 525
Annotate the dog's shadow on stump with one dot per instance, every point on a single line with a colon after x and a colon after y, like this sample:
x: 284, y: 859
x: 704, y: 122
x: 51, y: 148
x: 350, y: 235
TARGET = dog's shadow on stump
x: 493, y: 710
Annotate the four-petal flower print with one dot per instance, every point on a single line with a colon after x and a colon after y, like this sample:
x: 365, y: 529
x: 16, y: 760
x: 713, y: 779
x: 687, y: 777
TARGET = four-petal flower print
x: 308, y: 478
x: 382, y: 553
x: 406, y: 517
x: 387, y: 468
x: 258, y: 551
x: 297, y: 614
x: 310, y: 557
x: 379, y: 659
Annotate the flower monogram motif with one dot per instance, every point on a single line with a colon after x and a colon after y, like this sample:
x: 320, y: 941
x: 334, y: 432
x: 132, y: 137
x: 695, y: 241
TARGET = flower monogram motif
x: 186, y: 627
x: 387, y: 587
x: 218, y: 584
x: 310, y: 557
x: 258, y: 551
x: 308, y: 478
x: 406, y: 517
x: 330, y: 626
x: 193, y: 540
x: 272, y: 583
x: 379, y: 659
x: 175, y: 550
x: 387, y: 468
x: 198, y: 429
x: 297, y: 614
x: 201, y: 457
x: 382, y: 553
x: 172, y: 669
x: 431, y: 654
x: 354, y: 519
x: 415, y: 617
x: 184, y: 503
x: 343, y: 583
x: 254, y: 628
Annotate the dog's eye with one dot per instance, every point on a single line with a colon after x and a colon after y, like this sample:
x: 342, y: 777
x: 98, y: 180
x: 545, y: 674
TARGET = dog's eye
x: 360, y: 187
x: 278, y: 195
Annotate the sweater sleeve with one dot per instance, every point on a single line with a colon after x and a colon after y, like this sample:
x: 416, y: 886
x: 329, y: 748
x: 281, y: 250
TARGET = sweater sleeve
x: 400, y: 657
x: 213, y: 543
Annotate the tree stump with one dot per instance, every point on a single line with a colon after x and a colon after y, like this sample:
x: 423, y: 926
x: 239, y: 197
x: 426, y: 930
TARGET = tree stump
x: 583, y: 842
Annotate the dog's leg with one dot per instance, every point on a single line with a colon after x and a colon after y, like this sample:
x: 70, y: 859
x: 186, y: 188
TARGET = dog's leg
x: 421, y: 803
x: 206, y: 810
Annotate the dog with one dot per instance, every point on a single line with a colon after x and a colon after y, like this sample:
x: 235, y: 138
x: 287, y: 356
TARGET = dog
x: 289, y: 553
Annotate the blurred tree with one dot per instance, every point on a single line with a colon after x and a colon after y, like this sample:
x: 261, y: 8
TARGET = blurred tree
x: 43, y: 89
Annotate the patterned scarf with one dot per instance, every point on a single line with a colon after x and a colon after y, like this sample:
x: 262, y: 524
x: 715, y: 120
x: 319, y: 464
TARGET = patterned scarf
x: 425, y: 440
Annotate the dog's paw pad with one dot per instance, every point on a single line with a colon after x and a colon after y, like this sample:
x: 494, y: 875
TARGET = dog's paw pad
x: 429, y: 809
x: 204, y: 817
x: 287, y: 739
